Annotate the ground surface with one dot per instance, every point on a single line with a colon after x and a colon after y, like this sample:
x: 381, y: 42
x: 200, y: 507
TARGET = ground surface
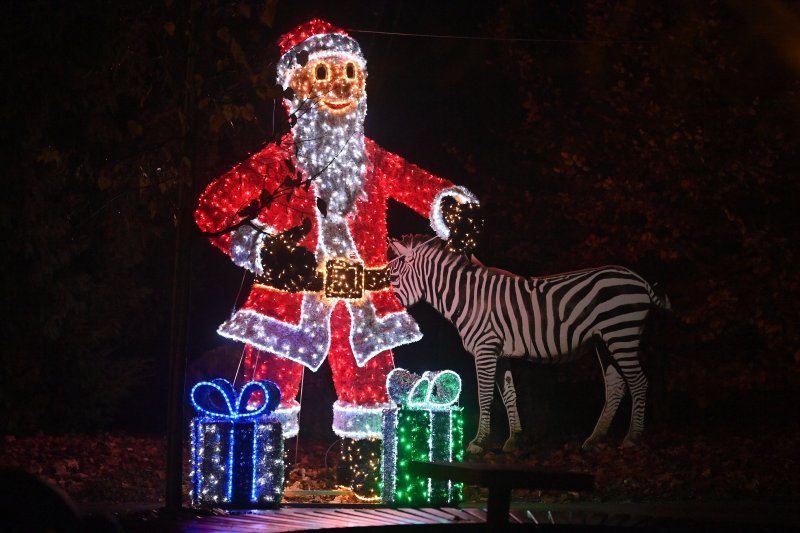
x: 117, y: 468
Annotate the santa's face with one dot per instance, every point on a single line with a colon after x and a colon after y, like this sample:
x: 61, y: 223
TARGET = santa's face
x: 334, y: 83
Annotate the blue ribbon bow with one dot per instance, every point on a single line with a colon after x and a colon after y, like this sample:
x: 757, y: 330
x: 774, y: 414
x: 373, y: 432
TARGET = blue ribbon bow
x: 206, y: 397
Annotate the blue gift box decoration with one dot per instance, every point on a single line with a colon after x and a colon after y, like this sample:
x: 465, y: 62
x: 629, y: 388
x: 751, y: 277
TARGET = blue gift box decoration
x: 237, y: 450
x: 425, y: 426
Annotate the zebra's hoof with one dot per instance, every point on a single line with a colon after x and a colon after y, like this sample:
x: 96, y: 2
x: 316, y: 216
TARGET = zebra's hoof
x: 511, y: 444
x: 629, y: 443
x: 474, y: 449
x: 589, y: 445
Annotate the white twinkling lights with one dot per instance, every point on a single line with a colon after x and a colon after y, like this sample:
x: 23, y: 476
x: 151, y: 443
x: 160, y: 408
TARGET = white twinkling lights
x: 308, y: 342
x: 358, y: 421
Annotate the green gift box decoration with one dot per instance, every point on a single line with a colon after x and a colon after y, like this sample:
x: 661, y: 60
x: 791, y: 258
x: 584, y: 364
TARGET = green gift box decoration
x: 426, y: 425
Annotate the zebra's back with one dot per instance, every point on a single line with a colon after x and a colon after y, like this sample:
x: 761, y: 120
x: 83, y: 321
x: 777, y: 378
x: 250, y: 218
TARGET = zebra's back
x: 553, y: 318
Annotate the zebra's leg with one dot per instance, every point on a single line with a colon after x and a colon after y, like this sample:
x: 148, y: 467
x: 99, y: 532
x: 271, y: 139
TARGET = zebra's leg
x: 509, y: 395
x: 626, y: 358
x: 637, y: 384
x: 615, y: 390
x: 485, y: 367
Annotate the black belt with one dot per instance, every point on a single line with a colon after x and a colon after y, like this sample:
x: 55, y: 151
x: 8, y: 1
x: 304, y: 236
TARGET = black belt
x: 342, y: 278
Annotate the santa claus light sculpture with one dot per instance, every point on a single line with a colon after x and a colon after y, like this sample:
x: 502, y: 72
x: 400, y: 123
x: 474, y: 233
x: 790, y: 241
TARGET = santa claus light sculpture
x: 307, y: 216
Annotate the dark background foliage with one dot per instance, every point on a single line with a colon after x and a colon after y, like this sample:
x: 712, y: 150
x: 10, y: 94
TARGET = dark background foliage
x: 658, y: 136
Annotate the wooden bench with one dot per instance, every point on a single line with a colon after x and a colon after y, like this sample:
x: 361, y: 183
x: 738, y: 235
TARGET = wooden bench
x: 500, y: 479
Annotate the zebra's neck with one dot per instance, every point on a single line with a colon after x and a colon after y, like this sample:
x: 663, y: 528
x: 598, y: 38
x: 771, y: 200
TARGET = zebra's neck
x: 449, y: 282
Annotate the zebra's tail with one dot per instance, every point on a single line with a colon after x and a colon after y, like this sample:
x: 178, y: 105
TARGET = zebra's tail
x: 659, y: 297
x: 656, y: 347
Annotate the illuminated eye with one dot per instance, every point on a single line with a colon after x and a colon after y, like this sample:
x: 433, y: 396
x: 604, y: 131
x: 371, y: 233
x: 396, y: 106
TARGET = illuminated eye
x: 321, y: 72
x: 350, y: 70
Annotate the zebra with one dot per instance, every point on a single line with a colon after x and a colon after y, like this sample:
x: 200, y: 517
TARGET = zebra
x: 551, y: 319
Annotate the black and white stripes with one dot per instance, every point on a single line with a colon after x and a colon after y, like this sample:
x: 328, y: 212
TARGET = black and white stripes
x: 551, y: 319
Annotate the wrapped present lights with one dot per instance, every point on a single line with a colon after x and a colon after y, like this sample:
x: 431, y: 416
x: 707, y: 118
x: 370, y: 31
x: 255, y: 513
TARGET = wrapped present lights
x: 425, y: 426
x: 237, y: 448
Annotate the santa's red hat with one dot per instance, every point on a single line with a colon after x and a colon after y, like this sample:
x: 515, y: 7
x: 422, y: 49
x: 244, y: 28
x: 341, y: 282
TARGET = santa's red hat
x: 319, y: 39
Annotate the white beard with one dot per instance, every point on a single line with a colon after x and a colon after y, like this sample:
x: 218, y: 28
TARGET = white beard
x: 330, y: 150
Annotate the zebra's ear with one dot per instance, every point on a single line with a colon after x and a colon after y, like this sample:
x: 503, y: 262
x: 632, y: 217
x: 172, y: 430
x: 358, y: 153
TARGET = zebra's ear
x: 397, y: 247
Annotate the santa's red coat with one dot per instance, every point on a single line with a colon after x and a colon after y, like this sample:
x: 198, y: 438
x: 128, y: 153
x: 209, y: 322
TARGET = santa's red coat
x: 387, y: 176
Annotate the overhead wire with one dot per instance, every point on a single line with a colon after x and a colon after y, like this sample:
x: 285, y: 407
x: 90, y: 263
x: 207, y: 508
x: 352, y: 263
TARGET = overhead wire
x: 492, y: 39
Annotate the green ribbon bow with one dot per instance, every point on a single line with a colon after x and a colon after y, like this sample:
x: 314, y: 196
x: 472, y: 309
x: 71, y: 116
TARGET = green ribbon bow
x: 431, y: 390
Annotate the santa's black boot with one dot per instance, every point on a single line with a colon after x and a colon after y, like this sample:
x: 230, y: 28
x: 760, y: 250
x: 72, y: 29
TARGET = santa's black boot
x: 359, y: 467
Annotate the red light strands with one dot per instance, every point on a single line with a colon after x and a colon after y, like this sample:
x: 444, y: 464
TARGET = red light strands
x: 306, y: 31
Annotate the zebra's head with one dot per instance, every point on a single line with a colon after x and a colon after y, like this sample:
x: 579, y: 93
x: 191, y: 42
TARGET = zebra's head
x: 404, y: 268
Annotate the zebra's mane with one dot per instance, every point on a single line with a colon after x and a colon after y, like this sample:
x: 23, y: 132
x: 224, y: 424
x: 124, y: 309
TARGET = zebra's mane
x: 413, y: 240
x: 418, y: 240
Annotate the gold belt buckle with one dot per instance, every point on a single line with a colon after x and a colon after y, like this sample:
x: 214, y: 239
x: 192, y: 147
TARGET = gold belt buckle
x: 344, y: 278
